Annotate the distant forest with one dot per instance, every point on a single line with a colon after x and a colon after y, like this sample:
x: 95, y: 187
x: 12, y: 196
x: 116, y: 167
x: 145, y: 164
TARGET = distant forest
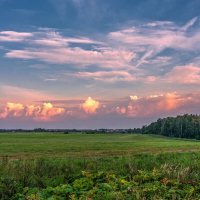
x: 185, y: 126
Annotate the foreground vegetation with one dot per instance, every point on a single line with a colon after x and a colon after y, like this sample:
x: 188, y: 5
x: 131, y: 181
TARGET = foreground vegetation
x: 78, y: 166
x: 142, y: 176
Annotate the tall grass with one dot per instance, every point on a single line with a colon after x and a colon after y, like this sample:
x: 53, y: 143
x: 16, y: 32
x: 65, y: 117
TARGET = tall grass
x: 142, y: 176
x: 48, y: 172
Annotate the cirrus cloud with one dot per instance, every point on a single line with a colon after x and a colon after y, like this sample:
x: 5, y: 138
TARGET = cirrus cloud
x: 187, y: 74
x: 13, y: 36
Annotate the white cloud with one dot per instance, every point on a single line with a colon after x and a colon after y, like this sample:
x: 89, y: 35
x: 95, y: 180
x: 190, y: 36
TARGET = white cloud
x: 106, y: 76
x: 122, y: 51
x: 190, y: 23
x: 13, y: 36
x: 55, y: 39
x: 105, y: 59
x: 152, y: 38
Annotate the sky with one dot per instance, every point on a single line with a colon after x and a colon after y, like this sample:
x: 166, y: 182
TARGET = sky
x: 90, y: 64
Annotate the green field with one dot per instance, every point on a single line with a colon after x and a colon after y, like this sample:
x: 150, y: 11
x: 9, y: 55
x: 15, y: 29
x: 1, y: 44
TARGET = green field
x: 89, y: 145
x: 98, y: 166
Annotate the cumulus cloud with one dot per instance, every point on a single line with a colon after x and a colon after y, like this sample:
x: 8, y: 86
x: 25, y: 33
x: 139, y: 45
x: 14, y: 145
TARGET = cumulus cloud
x: 154, y: 105
x: 90, y: 106
x: 121, y: 110
x: 44, y: 112
x: 134, y: 98
x: 151, y: 105
x: 14, y: 109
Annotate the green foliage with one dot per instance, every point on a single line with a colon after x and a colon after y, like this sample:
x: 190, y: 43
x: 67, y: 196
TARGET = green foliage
x: 186, y: 126
x: 143, y: 176
x: 144, y: 185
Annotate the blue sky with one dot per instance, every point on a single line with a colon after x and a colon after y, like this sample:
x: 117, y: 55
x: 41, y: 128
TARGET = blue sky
x: 94, y: 16
x: 97, y: 63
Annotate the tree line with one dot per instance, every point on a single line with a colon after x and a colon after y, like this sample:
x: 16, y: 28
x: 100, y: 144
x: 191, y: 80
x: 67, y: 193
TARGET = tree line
x: 185, y: 126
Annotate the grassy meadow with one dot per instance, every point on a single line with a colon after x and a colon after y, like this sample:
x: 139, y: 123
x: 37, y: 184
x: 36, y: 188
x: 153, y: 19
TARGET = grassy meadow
x: 98, y: 166
x: 89, y: 145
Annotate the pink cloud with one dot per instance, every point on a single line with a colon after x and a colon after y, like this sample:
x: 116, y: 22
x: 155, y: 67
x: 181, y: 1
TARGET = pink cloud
x: 55, y: 39
x: 121, y: 51
x: 9, y: 93
x: 44, y: 112
x: 104, y: 58
x: 189, y: 74
x: 164, y: 104
x: 158, y: 38
x: 13, y: 36
x: 90, y: 106
x: 151, y: 105
x: 152, y: 38
x: 52, y: 47
x: 14, y: 109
